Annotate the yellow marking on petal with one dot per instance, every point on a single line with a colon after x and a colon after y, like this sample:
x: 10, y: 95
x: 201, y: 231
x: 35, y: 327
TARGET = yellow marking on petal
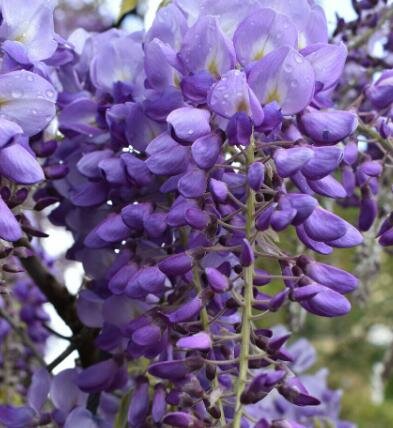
x: 273, y: 95
x: 213, y: 68
x: 301, y: 41
x: 259, y: 55
x: 21, y: 38
x: 242, y: 106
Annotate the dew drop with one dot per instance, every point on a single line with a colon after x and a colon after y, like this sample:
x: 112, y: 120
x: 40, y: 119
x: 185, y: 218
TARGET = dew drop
x: 16, y: 93
x: 190, y: 132
x: 34, y: 112
x: 287, y: 67
x: 299, y: 59
x: 49, y: 93
x: 30, y: 78
x: 294, y: 83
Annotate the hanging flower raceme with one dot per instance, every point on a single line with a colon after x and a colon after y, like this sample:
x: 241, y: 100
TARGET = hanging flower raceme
x: 189, y: 154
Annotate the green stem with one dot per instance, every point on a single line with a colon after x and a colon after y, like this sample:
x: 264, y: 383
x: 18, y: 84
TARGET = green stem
x: 370, y: 132
x: 205, y: 324
x: 248, y: 296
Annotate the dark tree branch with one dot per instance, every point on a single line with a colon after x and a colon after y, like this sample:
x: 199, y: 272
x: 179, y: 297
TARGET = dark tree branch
x: 64, y: 304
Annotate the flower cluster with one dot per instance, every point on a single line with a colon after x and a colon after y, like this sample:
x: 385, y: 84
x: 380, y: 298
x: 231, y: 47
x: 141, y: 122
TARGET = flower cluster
x: 199, y: 163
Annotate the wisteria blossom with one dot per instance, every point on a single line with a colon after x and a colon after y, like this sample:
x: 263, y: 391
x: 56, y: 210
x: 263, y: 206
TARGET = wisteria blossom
x: 202, y: 168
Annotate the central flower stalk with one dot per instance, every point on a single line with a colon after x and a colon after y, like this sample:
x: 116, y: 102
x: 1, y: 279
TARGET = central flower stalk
x: 248, y: 275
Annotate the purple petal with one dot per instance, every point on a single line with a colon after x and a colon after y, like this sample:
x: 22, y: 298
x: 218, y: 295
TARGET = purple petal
x: 119, y: 59
x: 28, y: 100
x: 174, y: 370
x: 89, y: 194
x: 197, y: 218
x: 351, y: 238
x: 147, y: 335
x: 205, y: 47
x: 328, y: 186
x: 8, y: 130
x: 323, y: 225
x: 205, y: 150
x: 137, y: 169
x: 324, y: 161
x: 319, y: 247
x: 80, y: 417
x: 28, y: 29
x: 10, y: 229
x: 113, y: 229
x: 182, y: 420
x: 217, y: 281
x: 332, y: 277
x: 289, y: 161
x: 63, y: 390
x: 139, y: 406
x: 88, y: 165
x: 193, y: 184
x: 189, y: 123
x: 98, y: 377
x: 89, y: 308
x: 247, y: 253
x: 39, y: 389
x: 155, y: 224
x: 197, y: 341
x: 232, y: 95
x: 327, y: 303
x: 166, y: 156
x: 329, y: 126
x: 239, y: 129
x: 256, y: 175
x: 328, y: 62
x: 186, y: 311
x: 16, y: 417
x: 19, y: 165
x: 219, y: 189
x: 134, y: 215
x: 303, y: 204
x: 177, y: 264
x: 283, y: 76
x: 262, y: 32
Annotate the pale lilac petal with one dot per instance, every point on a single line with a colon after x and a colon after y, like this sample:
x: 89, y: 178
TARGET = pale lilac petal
x: 284, y: 76
x: 64, y: 393
x: 205, y: 47
x: 29, y: 29
x: 19, y: 165
x: 262, y: 32
x: 232, y: 94
x: 8, y: 130
x: 10, y: 229
x: 39, y: 389
x: 197, y: 341
x: 328, y: 61
x: 189, y: 123
x: 27, y: 99
x: 80, y: 417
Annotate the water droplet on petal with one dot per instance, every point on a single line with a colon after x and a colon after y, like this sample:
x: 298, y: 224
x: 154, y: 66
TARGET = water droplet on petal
x: 294, y: 83
x: 190, y: 132
x: 49, y: 93
x: 30, y: 77
x: 16, y: 93
x: 299, y: 59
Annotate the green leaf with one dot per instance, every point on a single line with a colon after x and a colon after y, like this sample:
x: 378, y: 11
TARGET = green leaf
x: 126, y: 6
x: 121, y: 417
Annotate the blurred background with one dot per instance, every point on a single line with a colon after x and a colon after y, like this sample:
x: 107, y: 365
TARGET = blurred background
x: 357, y: 349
